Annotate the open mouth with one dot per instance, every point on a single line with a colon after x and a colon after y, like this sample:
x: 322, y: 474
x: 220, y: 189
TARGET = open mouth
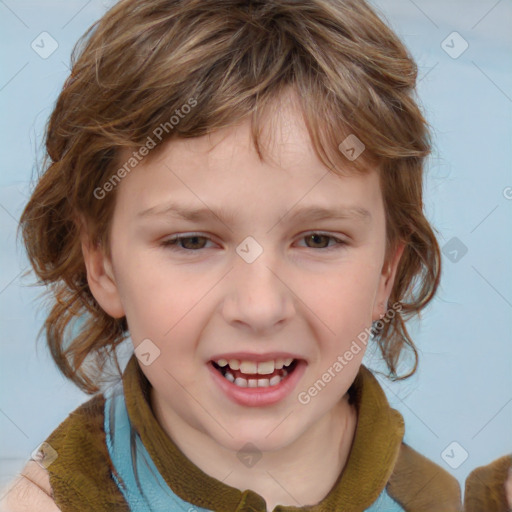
x: 264, y: 375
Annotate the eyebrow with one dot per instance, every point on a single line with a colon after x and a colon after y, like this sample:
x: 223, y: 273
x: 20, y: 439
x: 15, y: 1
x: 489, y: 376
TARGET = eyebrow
x: 309, y: 212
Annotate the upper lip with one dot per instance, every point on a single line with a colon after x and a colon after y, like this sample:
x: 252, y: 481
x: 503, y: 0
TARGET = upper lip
x: 248, y: 356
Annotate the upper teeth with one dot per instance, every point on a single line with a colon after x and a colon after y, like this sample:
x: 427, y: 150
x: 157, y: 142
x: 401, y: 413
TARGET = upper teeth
x: 251, y: 367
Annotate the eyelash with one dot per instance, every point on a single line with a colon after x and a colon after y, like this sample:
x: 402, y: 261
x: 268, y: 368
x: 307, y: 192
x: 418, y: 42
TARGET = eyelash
x: 172, y: 243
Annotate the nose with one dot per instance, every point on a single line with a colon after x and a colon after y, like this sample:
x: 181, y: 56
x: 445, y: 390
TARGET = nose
x: 258, y: 296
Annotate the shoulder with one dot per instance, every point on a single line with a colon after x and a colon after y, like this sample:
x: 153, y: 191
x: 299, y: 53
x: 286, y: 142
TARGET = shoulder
x: 77, y: 472
x: 33, y: 489
x: 489, y: 487
x: 421, y: 485
x: 30, y: 491
x: 81, y: 474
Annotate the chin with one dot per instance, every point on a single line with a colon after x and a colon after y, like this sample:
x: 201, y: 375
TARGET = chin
x: 261, y: 436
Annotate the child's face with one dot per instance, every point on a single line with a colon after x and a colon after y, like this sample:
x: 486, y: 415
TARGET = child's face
x: 212, y: 297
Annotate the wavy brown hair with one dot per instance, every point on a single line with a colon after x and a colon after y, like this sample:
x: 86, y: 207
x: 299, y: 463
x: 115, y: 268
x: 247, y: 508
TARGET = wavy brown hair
x: 144, y: 59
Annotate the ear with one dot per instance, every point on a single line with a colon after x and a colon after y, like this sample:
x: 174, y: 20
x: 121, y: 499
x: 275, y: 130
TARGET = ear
x: 386, y: 282
x: 100, y: 277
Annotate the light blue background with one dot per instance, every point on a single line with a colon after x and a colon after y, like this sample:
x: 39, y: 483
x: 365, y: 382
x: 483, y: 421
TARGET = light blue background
x: 462, y: 391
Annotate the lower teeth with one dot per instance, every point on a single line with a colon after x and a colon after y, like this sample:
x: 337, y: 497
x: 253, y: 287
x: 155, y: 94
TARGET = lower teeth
x: 263, y: 382
x: 255, y: 383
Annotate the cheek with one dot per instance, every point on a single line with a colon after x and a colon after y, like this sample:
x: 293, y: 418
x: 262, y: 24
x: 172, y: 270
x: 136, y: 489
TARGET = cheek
x: 154, y: 296
x: 342, y: 300
x: 166, y: 305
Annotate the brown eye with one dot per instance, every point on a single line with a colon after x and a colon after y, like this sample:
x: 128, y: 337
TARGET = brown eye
x: 321, y: 241
x: 190, y: 243
x: 318, y: 239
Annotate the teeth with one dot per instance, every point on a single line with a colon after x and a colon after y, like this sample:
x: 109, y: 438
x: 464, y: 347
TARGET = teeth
x: 274, y: 380
x: 248, y: 367
x: 251, y: 367
x: 254, y: 383
x: 239, y: 381
x: 266, y: 367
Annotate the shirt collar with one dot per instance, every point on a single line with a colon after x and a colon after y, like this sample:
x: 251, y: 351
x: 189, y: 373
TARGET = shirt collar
x: 374, y: 451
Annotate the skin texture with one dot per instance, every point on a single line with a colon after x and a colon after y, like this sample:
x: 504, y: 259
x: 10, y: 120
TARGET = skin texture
x: 30, y: 491
x: 308, y: 297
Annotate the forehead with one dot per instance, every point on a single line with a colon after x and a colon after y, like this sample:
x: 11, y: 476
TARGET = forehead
x: 223, y: 168
x: 284, y: 138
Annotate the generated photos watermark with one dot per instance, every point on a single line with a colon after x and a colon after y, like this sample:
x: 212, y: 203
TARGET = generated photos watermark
x: 305, y: 397
x: 137, y: 156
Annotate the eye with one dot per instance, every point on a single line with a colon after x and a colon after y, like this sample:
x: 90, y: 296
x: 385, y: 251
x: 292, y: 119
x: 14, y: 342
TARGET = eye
x: 316, y: 238
x: 172, y: 243
x: 195, y: 242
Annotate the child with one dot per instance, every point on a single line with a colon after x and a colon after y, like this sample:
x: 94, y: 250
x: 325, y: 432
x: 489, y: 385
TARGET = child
x: 246, y: 390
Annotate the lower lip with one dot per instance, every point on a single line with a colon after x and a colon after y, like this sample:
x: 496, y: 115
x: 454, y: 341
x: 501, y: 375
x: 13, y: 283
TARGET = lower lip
x: 259, y: 397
